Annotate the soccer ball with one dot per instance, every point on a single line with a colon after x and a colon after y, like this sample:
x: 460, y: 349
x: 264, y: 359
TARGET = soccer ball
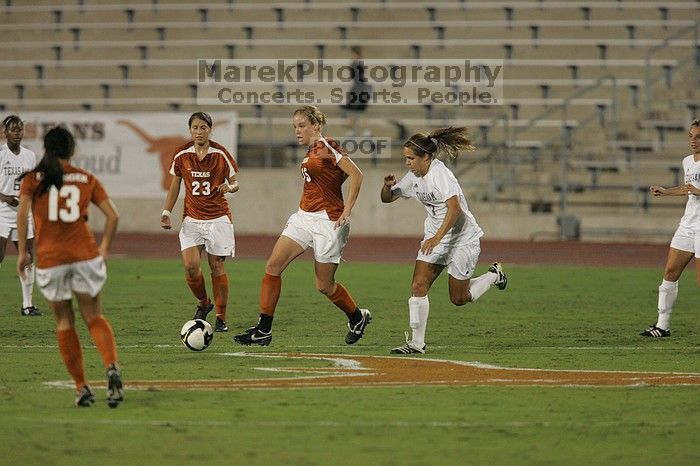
x: 196, y: 334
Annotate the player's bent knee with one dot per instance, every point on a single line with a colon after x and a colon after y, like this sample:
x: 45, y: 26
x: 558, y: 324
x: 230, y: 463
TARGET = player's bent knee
x: 419, y: 289
x: 460, y: 300
x: 192, y: 270
x: 325, y: 288
x: 273, y: 268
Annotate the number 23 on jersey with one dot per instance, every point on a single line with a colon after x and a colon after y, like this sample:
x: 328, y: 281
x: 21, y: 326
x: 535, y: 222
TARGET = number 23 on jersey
x: 201, y: 189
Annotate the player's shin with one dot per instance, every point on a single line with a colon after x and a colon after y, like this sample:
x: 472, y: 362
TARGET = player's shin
x: 668, y: 292
x: 418, y: 310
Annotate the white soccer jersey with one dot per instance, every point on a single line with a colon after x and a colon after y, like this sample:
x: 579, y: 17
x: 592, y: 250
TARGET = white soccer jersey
x: 691, y: 173
x: 11, y: 167
x: 433, y: 190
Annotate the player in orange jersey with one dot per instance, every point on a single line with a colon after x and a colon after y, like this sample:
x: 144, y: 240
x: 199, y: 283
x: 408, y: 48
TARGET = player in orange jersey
x: 207, y: 171
x: 321, y: 223
x: 68, y: 260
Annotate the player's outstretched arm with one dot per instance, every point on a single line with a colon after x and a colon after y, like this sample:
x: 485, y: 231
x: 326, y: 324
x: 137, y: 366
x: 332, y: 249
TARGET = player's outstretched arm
x: 681, y: 190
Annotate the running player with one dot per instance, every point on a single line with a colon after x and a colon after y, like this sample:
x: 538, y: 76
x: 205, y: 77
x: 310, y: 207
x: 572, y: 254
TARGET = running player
x: 686, y: 241
x: 67, y: 258
x: 321, y: 223
x: 208, y: 171
x: 451, y: 234
x: 14, y: 161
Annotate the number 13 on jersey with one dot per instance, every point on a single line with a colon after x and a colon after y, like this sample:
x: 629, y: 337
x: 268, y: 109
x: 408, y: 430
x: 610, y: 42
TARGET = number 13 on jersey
x: 71, y: 212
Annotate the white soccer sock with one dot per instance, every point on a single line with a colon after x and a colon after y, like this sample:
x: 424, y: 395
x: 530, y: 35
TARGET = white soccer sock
x: 418, y: 310
x: 27, y: 286
x: 480, y: 284
x: 668, y: 292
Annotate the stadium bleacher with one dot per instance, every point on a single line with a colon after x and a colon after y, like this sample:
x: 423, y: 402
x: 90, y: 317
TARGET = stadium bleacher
x: 582, y: 79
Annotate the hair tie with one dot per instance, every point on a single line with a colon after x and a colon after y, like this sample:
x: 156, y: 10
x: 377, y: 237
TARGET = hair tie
x: 434, y: 141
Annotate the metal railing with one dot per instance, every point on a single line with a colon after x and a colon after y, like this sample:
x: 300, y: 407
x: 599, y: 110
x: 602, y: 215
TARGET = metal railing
x: 650, y: 79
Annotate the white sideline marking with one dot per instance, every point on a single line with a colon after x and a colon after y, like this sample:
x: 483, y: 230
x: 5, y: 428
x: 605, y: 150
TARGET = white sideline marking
x: 345, y: 424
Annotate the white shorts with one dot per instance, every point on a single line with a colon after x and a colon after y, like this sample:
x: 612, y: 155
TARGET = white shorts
x: 315, y: 230
x: 686, y: 239
x: 460, y: 259
x: 216, y: 236
x: 57, y: 283
x: 9, y: 230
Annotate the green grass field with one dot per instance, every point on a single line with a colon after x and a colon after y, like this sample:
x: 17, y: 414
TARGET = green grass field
x: 549, y: 317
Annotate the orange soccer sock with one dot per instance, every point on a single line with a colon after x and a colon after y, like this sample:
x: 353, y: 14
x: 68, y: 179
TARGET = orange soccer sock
x: 103, y: 336
x: 72, y: 353
x: 219, y: 285
x: 343, y: 300
x: 199, y: 289
x: 270, y: 293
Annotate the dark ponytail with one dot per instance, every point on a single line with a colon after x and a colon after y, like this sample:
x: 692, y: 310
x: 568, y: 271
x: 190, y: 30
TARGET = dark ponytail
x: 58, y: 144
x: 441, y: 143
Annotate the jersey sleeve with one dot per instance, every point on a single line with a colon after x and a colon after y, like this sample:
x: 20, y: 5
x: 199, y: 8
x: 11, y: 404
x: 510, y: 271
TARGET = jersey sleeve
x: 402, y: 188
x: 176, y: 167
x: 29, y: 184
x: 99, y: 194
x: 335, y: 150
x: 231, y: 163
x: 446, y: 185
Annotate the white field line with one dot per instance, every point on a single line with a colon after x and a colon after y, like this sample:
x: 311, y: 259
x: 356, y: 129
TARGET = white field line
x: 349, y: 423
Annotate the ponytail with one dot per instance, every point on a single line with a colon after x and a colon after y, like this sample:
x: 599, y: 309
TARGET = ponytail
x: 58, y: 144
x: 441, y: 143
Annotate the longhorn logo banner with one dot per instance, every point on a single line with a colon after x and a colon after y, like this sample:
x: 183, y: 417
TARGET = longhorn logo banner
x: 130, y: 152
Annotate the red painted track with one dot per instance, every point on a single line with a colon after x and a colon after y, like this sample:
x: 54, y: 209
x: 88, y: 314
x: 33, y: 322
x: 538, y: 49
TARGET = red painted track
x: 386, y: 249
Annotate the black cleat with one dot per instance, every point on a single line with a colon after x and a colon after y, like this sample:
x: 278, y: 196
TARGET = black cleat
x: 85, y: 398
x: 220, y: 325
x: 202, y: 311
x: 408, y: 348
x: 31, y: 311
x: 357, y: 330
x: 115, y: 389
x: 502, y: 281
x: 655, y: 332
x: 253, y: 336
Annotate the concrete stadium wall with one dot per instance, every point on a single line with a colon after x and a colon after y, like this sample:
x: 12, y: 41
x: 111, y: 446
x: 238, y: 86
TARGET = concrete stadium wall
x: 268, y: 196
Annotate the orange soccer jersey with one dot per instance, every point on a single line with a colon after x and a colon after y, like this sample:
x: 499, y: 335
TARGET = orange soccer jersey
x: 201, y: 178
x: 60, y: 217
x: 323, y: 179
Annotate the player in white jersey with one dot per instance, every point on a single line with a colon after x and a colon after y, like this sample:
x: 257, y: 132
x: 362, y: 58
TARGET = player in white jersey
x: 15, y: 160
x: 686, y: 241
x: 451, y: 234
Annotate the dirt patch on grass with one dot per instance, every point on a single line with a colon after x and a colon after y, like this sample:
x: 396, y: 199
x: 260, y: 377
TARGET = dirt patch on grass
x: 368, y: 371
